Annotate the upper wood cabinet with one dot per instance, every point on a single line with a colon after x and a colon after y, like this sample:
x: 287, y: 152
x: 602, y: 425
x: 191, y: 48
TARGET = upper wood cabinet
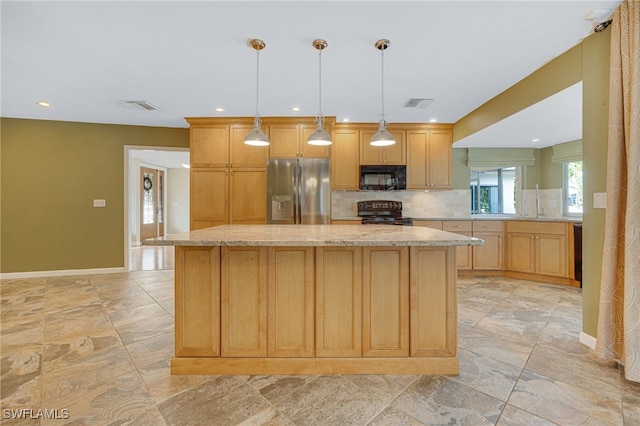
x: 395, y: 154
x: 243, y: 155
x: 429, y: 153
x: 345, y: 161
x: 290, y: 140
x: 222, y: 145
x: 209, y: 146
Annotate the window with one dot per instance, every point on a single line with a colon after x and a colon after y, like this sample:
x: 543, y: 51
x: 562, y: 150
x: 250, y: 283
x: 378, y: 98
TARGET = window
x: 572, y: 187
x: 493, y: 191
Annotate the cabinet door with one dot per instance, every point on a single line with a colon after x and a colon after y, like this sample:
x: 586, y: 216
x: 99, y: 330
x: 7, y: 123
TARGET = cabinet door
x: 291, y: 301
x: 313, y: 151
x: 385, y: 301
x: 345, y: 167
x: 209, y: 146
x: 520, y: 252
x: 439, y: 159
x: 338, y: 302
x: 432, y: 301
x: 284, y: 139
x: 551, y: 255
x: 464, y: 255
x: 392, y: 155
x: 248, y: 196
x: 490, y: 255
x: 243, y: 155
x: 243, y: 298
x: 209, y: 196
x: 197, y: 301
x: 417, y: 144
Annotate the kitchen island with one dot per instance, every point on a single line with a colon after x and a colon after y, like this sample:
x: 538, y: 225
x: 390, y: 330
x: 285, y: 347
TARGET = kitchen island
x: 315, y: 299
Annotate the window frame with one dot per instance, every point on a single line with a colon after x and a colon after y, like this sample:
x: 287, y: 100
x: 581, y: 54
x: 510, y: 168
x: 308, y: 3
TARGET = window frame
x: 565, y: 191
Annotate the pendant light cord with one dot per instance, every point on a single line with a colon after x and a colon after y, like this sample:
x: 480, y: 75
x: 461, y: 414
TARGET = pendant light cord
x: 257, y: 81
x: 382, y: 84
x: 320, y: 83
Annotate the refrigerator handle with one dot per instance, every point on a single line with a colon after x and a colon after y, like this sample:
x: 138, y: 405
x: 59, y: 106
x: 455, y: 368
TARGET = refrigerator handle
x: 299, y: 188
x: 295, y: 195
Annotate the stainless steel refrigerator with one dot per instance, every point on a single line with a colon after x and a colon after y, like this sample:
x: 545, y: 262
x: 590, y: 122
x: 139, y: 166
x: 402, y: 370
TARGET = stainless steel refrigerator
x: 298, y: 191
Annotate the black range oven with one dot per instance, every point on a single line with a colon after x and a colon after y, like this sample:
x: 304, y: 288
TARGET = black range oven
x: 381, y: 212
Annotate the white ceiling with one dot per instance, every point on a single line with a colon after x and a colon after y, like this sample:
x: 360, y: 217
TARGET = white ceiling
x: 86, y: 57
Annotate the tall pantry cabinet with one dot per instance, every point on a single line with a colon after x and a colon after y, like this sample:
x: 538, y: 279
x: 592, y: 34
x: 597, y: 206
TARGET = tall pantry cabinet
x: 228, y: 178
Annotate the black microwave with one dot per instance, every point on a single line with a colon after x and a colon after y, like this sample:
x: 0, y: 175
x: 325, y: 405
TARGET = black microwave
x: 383, y: 178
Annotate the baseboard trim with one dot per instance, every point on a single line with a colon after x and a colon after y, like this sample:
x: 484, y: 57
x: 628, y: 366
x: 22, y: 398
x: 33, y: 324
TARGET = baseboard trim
x: 60, y: 273
x: 588, y: 340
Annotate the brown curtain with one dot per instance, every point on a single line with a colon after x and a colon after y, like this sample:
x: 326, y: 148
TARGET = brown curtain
x: 619, y: 318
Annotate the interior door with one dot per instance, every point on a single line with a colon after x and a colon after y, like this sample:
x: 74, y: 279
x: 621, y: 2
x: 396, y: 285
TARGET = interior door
x: 151, y: 203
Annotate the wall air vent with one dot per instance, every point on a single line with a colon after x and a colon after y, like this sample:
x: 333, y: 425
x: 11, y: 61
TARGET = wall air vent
x: 417, y: 103
x: 141, y: 105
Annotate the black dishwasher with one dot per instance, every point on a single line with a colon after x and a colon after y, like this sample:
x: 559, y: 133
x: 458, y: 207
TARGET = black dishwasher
x: 577, y: 250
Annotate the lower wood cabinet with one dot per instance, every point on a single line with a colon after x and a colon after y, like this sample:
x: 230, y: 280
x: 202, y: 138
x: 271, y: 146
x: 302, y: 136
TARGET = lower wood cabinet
x: 385, y: 301
x: 322, y: 302
x: 538, y: 248
x: 243, y: 301
x: 490, y: 256
x: 291, y: 301
x: 197, y: 301
x: 338, y: 302
x: 464, y: 254
x: 433, y: 284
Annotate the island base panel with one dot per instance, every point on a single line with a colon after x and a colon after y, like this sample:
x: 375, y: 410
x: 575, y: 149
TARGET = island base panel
x: 295, y: 366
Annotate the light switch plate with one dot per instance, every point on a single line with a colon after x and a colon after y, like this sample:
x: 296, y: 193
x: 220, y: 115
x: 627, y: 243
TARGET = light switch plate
x: 99, y: 203
x: 599, y: 200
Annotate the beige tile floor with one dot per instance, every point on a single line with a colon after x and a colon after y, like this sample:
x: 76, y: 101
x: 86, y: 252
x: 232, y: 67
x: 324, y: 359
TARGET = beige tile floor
x: 97, y: 349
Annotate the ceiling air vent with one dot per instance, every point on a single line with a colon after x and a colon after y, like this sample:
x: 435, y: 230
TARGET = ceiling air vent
x: 141, y: 105
x: 417, y: 103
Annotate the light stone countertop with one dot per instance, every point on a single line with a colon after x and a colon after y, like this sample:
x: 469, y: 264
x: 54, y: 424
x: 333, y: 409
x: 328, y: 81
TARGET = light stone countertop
x: 315, y: 235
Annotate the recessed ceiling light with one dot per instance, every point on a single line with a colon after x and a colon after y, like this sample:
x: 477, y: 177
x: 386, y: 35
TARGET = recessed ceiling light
x: 219, y: 109
x: 535, y: 140
x: 43, y: 104
x: 433, y: 120
x: 295, y: 109
x: 345, y: 120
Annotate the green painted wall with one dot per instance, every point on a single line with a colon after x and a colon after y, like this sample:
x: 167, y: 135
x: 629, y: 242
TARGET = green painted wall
x: 595, y: 132
x: 550, y: 173
x: 460, y: 170
x: 51, y: 171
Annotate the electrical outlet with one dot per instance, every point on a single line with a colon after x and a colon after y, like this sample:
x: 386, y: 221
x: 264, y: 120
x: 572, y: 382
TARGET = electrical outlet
x: 99, y: 203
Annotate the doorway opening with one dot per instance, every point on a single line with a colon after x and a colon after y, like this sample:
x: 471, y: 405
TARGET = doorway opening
x: 156, y: 203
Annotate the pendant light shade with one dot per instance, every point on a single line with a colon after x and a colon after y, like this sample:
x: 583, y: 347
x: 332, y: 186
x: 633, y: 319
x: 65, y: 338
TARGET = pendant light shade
x: 257, y: 137
x: 320, y: 136
x: 382, y: 136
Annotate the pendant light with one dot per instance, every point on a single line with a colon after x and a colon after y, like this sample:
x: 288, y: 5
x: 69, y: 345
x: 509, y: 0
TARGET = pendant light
x: 256, y: 137
x: 382, y: 136
x: 320, y: 136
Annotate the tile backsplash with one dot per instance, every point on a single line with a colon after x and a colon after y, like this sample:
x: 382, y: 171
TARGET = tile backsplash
x: 550, y: 202
x: 418, y: 204
x: 442, y: 204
